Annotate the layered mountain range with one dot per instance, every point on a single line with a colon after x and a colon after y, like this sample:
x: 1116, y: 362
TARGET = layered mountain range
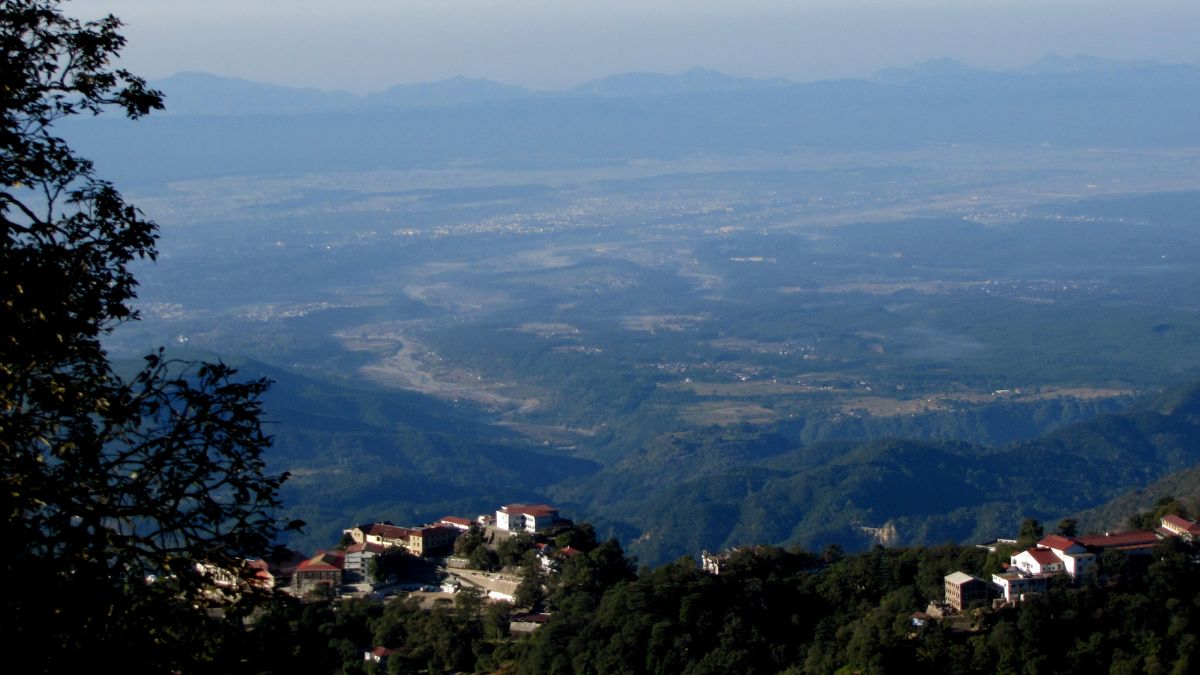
x: 218, y: 126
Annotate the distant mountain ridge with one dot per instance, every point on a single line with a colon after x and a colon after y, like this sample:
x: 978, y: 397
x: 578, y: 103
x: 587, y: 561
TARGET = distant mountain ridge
x: 657, y: 84
x: 451, y: 91
x: 939, y: 68
x: 194, y: 93
x: 217, y: 126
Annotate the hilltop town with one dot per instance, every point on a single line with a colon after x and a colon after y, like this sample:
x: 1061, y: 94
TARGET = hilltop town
x: 510, y: 559
x: 490, y: 554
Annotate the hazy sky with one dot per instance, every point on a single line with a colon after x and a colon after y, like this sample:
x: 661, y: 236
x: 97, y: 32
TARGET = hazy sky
x: 367, y: 45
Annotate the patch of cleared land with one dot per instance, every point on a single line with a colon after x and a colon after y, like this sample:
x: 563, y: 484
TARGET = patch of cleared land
x: 751, y: 388
x: 455, y: 297
x: 846, y: 393
x: 652, y: 322
x: 549, y: 330
x: 724, y: 413
x: 879, y: 406
x: 405, y: 363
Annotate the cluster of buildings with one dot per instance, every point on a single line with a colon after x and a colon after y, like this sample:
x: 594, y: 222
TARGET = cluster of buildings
x: 337, y: 567
x: 419, y: 541
x: 1031, y: 570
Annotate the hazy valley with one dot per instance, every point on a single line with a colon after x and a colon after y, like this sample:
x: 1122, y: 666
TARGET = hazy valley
x: 691, y: 332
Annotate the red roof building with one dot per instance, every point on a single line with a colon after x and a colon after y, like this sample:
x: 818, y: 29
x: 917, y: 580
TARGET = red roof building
x: 1130, y: 542
x: 570, y: 552
x: 526, y: 517
x: 325, y: 568
x: 455, y: 521
x: 262, y: 576
x: 1038, y: 561
x: 1059, y: 543
x: 1181, y: 527
x: 379, y: 655
x: 416, y: 540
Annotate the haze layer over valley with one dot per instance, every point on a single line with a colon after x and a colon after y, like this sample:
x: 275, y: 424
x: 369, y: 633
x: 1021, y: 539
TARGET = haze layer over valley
x: 690, y: 310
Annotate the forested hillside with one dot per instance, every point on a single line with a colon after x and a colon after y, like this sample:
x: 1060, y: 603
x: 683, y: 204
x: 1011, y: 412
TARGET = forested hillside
x: 735, y: 490
x: 358, y: 454
x: 770, y: 610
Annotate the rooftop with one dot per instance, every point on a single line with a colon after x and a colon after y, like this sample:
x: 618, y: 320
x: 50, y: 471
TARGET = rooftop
x: 1180, y: 523
x: 387, y: 531
x: 369, y: 548
x: 1119, y: 539
x: 535, y: 510
x: 324, y: 561
x: 1058, y: 542
x: 958, y: 578
x: 1043, y: 556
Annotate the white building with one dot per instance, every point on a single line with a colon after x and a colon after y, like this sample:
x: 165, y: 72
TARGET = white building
x: 1038, y: 561
x: 526, y: 517
x: 1077, y: 560
x: 1013, y: 585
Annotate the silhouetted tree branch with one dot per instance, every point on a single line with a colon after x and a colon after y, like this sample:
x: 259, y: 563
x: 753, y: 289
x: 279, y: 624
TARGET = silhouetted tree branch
x: 124, y: 502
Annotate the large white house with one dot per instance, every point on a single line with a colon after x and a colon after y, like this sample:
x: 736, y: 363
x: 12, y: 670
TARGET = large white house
x: 1038, y: 561
x: 526, y: 517
x: 1076, y: 558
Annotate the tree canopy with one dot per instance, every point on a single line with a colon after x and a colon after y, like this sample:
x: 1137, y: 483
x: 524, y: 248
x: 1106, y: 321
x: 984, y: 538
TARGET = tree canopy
x: 125, y: 499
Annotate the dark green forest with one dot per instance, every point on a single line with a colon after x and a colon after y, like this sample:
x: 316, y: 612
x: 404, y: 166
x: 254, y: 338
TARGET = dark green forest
x: 407, y: 458
x: 770, y: 610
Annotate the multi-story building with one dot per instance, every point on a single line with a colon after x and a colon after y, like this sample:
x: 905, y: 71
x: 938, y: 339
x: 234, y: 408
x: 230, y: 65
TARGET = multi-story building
x: 323, y: 569
x: 526, y: 517
x: 1181, y: 527
x: 357, y: 555
x: 963, y: 589
x: 428, y: 540
x: 431, y: 540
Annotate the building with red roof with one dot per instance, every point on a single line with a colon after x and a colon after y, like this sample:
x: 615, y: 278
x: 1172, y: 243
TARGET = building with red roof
x: 427, y: 540
x: 379, y: 655
x: 261, y: 577
x: 1059, y: 542
x: 1038, y: 561
x: 323, y: 569
x: 526, y: 517
x: 1077, y: 559
x: 1031, y: 570
x: 1179, y: 526
x: 1134, y: 543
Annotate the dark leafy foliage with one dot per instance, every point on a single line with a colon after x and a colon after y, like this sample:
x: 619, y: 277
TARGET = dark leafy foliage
x: 773, y: 610
x: 124, y: 499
